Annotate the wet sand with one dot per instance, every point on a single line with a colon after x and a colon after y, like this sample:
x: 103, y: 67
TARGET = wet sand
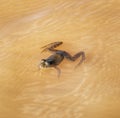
x: 90, y: 91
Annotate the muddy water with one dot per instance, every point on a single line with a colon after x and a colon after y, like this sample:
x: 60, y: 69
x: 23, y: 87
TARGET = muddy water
x: 91, y: 90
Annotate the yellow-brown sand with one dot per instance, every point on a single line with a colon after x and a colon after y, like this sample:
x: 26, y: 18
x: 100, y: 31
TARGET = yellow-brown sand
x: 90, y: 91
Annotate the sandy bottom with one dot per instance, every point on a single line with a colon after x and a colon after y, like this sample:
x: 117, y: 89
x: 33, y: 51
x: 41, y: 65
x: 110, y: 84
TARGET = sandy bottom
x: 90, y: 91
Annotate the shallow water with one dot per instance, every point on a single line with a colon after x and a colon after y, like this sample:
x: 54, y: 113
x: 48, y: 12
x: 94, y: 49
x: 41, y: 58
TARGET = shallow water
x: 90, y: 90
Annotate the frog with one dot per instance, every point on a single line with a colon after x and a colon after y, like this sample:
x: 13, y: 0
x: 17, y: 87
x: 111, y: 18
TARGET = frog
x: 58, y: 56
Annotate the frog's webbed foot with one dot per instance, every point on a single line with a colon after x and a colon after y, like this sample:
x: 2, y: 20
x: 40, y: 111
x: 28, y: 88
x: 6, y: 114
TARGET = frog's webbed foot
x: 58, y: 71
x: 73, y: 58
x: 51, y: 46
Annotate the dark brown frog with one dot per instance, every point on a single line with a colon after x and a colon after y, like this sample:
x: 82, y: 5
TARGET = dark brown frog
x: 57, y: 57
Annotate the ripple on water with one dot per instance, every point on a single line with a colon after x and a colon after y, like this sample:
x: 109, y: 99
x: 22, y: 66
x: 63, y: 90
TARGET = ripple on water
x: 98, y: 77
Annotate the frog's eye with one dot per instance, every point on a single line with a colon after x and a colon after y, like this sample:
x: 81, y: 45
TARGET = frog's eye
x: 46, y: 63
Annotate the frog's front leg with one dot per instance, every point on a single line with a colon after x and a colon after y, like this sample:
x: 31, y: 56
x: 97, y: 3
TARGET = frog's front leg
x: 73, y: 58
x: 58, y: 71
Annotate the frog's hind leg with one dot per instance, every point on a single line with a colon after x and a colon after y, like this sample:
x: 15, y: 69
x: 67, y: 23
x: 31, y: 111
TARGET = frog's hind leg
x: 75, y: 57
x: 51, y: 46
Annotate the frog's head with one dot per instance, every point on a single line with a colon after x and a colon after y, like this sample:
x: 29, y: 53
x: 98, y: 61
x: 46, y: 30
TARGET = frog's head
x: 43, y: 64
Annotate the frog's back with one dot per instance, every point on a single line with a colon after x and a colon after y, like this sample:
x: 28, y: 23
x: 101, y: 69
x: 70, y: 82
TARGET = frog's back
x: 56, y: 58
